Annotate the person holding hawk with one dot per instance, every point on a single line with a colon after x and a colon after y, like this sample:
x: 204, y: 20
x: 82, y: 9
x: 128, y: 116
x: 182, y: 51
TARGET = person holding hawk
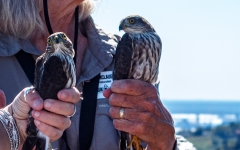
x: 24, y: 29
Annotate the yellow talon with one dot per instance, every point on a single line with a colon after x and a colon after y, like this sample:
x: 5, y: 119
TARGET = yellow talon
x: 136, y: 142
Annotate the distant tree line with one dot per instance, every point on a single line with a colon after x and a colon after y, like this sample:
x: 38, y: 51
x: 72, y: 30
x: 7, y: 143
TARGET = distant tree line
x: 223, y: 137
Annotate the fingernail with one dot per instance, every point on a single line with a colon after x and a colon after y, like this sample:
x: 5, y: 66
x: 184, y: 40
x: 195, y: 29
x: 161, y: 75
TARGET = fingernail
x: 36, y: 113
x: 48, y: 104
x: 63, y: 95
x: 37, y: 103
x: 37, y: 122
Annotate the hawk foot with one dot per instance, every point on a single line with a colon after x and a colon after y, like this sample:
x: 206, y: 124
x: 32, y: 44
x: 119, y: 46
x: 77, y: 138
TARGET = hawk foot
x: 136, y: 143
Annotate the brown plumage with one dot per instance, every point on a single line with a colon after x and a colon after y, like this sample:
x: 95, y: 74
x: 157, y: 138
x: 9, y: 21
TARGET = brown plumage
x: 55, y: 70
x: 137, y: 57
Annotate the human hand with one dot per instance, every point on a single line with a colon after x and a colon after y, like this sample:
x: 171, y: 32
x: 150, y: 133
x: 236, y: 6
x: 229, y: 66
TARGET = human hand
x: 57, y: 110
x: 144, y: 114
x: 2, y: 99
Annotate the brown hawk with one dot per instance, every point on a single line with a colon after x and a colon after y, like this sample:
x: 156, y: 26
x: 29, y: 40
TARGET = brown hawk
x: 55, y: 70
x: 137, y: 57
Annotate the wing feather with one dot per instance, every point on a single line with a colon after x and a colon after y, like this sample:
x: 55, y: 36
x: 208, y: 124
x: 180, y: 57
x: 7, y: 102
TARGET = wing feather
x: 123, y: 58
x: 53, y: 78
x: 146, y: 56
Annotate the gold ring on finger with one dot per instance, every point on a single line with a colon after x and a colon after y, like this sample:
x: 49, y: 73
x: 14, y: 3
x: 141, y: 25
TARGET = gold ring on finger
x: 121, y: 112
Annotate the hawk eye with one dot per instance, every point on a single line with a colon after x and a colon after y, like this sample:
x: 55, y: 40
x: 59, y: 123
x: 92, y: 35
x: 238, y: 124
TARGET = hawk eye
x: 49, y: 41
x: 64, y: 36
x: 132, y: 21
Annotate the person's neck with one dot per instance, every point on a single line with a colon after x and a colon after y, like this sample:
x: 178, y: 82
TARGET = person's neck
x: 61, y: 18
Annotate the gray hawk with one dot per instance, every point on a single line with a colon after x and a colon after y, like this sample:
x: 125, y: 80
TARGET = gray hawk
x: 55, y: 70
x: 137, y: 57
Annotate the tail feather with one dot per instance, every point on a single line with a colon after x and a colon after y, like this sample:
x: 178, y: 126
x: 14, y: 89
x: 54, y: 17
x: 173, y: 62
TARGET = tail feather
x: 29, y: 143
x: 43, y: 142
x: 31, y: 131
x: 125, y: 141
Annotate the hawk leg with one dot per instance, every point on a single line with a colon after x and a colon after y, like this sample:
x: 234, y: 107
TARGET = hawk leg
x: 136, y: 142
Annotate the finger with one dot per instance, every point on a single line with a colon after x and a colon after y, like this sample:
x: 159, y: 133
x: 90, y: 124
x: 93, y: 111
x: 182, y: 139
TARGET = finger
x: 59, y: 107
x: 58, y: 121
x: 51, y: 132
x: 131, y: 86
x: 127, y: 114
x: 2, y: 99
x: 21, y: 107
x: 143, y: 130
x: 133, y: 115
x: 122, y: 100
x: 129, y: 126
x: 33, y: 99
x: 69, y: 95
x: 107, y: 93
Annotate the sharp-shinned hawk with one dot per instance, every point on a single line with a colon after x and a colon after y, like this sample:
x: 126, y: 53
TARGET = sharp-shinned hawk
x: 137, y: 57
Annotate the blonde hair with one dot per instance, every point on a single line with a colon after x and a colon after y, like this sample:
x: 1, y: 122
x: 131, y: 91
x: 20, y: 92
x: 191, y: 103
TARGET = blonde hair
x: 20, y: 18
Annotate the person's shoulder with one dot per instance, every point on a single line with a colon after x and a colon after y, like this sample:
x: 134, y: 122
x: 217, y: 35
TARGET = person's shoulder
x: 111, y: 36
x: 115, y: 37
x: 90, y: 27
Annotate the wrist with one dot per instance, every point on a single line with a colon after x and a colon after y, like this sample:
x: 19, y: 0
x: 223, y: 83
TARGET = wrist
x: 4, y: 142
x: 11, y: 128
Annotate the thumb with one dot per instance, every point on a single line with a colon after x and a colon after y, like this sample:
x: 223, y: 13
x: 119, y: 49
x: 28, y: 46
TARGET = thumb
x: 2, y: 99
x: 22, y: 106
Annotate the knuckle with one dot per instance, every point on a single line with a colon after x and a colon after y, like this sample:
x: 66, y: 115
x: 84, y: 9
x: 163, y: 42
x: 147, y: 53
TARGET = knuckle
x: 59, y: 106
x: 151, y: 89
x: 111, y: 111
x: 116, y: 124
x: 53, y: 134
x: 146, y: 117
x: 42, y: 127
x: 126, y: 85
x: 70, y: 96
x: 131, y: 114
x: 141, y: 129
x: 68, y: 110
x: 125, y: 99
x: 68, y: 123
x: 151, y: 105
x: 31, y: 97
x: 65, y: 124
x: 71, y: 109
x: 112, y: 99
x: 62, y: 123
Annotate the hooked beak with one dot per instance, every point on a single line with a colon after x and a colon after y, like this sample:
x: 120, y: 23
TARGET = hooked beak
x: 56, y: 39
x: 121, y: 27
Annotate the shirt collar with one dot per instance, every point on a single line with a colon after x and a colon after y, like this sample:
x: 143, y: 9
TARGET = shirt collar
x: 101, y: 47
x: 10, y: 45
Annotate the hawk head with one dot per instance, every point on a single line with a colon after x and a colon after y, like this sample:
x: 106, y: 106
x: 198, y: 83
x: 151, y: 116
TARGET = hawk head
x: 59, y: 44
x: 135, y: 24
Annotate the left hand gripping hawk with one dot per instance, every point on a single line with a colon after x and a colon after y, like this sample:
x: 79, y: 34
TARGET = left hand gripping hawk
x: 55, y: 70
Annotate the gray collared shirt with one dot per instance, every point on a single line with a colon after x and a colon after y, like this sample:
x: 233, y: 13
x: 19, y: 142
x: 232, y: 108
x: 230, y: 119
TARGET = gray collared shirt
x: 98, y: 58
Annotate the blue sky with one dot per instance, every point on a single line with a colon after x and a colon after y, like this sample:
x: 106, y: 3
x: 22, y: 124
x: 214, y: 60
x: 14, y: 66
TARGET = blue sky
x: 201, y: 43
